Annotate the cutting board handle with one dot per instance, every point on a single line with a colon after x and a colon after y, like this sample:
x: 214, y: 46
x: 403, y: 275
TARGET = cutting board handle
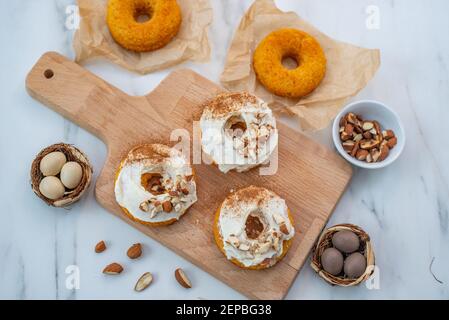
x: 74, y: 92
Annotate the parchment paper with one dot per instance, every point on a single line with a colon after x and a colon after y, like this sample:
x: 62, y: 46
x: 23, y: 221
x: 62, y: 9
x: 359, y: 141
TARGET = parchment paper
x: 349, y: 68
x: 93, y: 38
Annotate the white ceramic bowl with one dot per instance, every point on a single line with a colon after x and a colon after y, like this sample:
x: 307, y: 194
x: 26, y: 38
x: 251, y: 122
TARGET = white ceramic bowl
x: 387, y: 118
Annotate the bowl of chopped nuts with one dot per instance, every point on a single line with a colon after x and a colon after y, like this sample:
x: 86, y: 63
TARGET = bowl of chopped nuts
x: 368, y: 134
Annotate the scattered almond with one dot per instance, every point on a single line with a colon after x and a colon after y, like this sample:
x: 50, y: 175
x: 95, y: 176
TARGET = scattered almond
x: 135, y: 251
x: 283, y: 228
x: 167, y: 206
x: 113, y: 269
x: 100, y: 247
x: 143, y: 282
x: 144, y: 206
x: 181, y: 277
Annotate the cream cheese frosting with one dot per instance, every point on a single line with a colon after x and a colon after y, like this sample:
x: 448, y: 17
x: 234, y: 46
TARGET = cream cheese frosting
x: 155, y: 184
x: 253, y: 224
x: 238, y: 131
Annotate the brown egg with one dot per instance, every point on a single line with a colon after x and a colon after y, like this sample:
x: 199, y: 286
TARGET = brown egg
x: 355, y: 265
x: 346, y: 241
x: 332, y: 261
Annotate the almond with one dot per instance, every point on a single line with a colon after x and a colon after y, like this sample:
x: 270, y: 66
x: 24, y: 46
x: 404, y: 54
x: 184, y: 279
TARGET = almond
x: 361, y: 155
x: 375, y: 154
x: 343, y: 122
x: 167, y: 206
x: 367, y: 135
x: 369, y: 144
x: 349, y: 129
x: 181, y: 277
x: 173, y: 193
x: 278, y: 218
x: 351, y: 118
x: 135, y: 251
x: 392, y: 142
x: 143, y: 282
x: 355, y: 149
x: 345, y: 137
x: 100, y: 246
x: 384, y: 152
x: 358, y: 137
x: 388, y: 134
x: 283, y: 228
x: 377, y: 128
x: 367, y: 126
x: 113, y: 269
x: 348, y: 145
x: 369, y: 158
x: 144, y: 206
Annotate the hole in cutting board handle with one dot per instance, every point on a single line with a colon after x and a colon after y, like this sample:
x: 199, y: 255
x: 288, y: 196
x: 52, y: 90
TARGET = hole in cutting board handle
x: 49, y: 73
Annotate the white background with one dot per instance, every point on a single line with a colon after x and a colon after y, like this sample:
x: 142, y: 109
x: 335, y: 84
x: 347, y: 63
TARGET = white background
x: 403, y: 207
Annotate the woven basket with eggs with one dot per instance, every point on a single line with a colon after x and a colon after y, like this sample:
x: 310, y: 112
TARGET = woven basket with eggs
x: 60, y: 174
x: 338, y: 250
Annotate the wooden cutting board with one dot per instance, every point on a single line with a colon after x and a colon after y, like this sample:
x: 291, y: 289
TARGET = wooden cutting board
x: 310, y: 177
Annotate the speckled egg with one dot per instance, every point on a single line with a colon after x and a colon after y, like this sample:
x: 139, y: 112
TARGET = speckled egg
x: 51, y: 188
x: 346, y: 241
x: 332, y: 261
x: 355, y: 265
x: 52, y: 163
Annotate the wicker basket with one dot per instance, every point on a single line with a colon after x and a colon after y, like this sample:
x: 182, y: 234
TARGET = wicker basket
x: 72, y: 154
x: 325, y: 241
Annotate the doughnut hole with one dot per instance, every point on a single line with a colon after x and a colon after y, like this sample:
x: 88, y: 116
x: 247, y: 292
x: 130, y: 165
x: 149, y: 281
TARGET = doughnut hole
x: 290, y: 59
x: 290, y: 63
x: 143, y: 12
x: 152, y: 182
x: 235, y: 126
x: 254, y: 225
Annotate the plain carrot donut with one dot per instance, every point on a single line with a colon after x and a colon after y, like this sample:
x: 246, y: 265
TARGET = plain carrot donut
x: 163, y: 24
x: 295, y: 44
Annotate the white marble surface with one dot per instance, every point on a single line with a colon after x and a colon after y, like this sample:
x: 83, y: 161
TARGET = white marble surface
x: 405, y: 207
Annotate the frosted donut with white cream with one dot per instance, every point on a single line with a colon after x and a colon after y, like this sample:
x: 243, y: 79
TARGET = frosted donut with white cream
x: 155, y: 185
x: 238, y: 131
x: 254, y: 228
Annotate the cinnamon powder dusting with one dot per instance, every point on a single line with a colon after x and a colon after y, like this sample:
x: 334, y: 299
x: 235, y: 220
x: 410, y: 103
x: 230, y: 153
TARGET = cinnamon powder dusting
x: 226, y: 103
x: 249, y: 194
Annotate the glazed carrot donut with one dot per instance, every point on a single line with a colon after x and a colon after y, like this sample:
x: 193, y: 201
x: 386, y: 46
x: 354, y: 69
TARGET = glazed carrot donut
x: 238, y: 131
x: 163, y: 24
x: 155, y: 185
x: 253, y: 228
x: 295, y: 44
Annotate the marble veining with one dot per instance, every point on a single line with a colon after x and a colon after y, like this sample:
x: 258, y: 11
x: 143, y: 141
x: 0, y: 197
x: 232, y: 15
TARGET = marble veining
x: 405, y: 207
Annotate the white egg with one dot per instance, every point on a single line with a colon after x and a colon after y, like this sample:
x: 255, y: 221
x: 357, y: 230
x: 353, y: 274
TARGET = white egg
x: 52, y: 163
x: 71, y: 174
x: 51, y: 188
